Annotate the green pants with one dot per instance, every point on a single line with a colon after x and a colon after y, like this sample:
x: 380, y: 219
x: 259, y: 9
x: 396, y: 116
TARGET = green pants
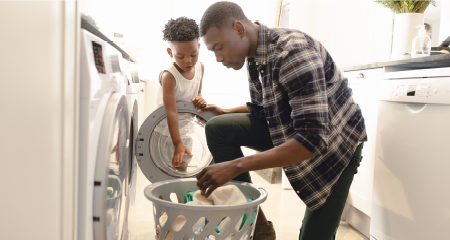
x: 226, y: 134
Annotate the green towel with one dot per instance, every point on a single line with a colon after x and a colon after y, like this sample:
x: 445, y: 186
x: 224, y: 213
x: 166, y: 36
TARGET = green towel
x: 190, y: 198
x: 109, y: 192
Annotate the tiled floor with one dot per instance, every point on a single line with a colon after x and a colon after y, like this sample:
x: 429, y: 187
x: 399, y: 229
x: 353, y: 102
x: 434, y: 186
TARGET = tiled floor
x: 282, y: 207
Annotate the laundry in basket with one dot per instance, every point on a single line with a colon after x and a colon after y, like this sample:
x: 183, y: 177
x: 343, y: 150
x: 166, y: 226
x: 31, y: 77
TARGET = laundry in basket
x: 225, y: 195
x: 212, y: 222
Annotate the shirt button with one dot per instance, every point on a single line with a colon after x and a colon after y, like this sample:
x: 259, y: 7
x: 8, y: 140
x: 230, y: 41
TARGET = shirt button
x: 262, y: 71
x: 267, y: 122
x: 298, y: 191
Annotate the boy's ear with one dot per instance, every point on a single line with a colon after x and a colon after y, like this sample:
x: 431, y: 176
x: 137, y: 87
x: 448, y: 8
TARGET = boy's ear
x: 169, y: 51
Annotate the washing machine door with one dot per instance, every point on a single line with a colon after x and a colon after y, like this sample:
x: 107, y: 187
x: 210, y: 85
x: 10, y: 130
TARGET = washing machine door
x: 154, y: 148
x: 132, y: 177
x: 111, y: 171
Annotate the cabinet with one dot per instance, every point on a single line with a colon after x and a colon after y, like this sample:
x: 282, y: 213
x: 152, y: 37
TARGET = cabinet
x: 365, y: 86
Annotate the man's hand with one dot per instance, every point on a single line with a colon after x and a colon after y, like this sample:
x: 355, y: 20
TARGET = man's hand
x: 199, y: 102
x: 212, y: 108
x: 180, y: 151
x: 215, y: 176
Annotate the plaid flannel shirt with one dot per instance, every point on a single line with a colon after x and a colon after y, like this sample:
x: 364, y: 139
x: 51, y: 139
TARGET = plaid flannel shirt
x: 297, y: 88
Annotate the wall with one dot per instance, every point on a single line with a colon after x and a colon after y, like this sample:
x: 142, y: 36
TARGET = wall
x: 38, y: 126
x: 444, y: 31
x: 353, y: 31
x: 432, y: 16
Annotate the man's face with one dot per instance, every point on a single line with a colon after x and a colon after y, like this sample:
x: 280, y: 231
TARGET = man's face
x: 185, y: 54
x: 229, y: 44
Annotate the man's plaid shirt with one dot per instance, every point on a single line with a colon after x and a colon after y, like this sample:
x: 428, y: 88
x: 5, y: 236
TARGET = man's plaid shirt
x: 297, y: 88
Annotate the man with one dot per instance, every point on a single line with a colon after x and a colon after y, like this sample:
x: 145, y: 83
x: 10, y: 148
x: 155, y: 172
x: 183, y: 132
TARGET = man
x: 301, y: 117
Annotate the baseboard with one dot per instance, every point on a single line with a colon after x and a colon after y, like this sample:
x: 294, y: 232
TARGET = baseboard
x: 358, y: 220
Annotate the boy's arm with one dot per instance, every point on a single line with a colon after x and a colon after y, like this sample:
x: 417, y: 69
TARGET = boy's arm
x: 168, y: 85
x: 201, y: 80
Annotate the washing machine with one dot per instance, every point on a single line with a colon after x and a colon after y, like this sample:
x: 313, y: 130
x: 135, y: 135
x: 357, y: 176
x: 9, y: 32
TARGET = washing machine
x: 104, y: 129
x: 131, y: 77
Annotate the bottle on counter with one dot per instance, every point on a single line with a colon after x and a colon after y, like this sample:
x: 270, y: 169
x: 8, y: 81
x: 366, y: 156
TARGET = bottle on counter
x: 421, y: 45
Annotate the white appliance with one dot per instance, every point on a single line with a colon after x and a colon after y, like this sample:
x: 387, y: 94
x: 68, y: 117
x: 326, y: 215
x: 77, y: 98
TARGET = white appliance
x: 132, y: 80
x: 364, y: 84
x: 103, y: 138
x: 411, y: 193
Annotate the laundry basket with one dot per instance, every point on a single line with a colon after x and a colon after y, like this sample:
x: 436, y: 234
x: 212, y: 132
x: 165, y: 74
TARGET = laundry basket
x: 178, y: 221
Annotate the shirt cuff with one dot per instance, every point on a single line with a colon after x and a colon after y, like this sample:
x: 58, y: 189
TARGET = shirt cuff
x: 256, y: 110
x: 313, y: 142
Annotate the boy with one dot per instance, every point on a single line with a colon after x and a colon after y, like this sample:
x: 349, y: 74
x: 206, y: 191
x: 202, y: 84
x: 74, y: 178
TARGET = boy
x: 181, y: 82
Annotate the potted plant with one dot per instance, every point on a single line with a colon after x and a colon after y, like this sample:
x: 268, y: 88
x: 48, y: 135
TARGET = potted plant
x: 408, y: 15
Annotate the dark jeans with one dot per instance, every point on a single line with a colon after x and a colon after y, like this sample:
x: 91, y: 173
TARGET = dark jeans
x: 226, y: 134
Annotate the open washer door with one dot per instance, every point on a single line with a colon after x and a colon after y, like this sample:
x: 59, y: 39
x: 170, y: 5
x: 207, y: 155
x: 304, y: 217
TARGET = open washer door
x: 154, y: 148
x: 110, y: 171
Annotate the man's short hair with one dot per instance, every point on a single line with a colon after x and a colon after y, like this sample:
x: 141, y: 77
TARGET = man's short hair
x: 221, y: 14
x: 180, y: 30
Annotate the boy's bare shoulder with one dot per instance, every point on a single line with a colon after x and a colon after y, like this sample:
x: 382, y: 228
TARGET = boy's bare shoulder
x: 166, y: 76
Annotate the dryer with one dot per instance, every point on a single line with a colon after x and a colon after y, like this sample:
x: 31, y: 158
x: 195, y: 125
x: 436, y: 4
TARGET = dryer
x: 103, y: 134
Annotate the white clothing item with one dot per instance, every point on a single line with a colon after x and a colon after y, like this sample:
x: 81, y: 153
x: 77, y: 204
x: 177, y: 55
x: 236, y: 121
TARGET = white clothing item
x: 185, y: 89
x: 225, y: 195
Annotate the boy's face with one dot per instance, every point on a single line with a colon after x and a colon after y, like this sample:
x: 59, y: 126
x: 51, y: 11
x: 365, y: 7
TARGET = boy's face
x: 229, y: 44
x: 185, y: 54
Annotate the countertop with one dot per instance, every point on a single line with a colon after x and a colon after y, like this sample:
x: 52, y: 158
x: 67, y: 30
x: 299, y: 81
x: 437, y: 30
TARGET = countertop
x: 434, y: 61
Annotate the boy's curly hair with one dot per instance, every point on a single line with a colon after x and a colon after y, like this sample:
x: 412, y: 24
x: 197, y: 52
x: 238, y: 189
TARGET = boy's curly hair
x: 181, y: 29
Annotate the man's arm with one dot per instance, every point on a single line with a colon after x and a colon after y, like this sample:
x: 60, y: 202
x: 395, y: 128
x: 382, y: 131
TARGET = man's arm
x: 220, y: 111
x: 214, y: 176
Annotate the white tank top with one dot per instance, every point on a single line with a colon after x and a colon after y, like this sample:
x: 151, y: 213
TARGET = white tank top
x: 185, y: 89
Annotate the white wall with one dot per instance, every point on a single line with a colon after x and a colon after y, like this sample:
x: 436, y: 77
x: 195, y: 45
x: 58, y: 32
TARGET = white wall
x: 353, y: 31
x: 432, y: 16
x: 444, y: 31
x: 38, y: 132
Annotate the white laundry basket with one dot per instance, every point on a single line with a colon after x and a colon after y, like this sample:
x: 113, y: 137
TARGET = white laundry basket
x: 179, y: 221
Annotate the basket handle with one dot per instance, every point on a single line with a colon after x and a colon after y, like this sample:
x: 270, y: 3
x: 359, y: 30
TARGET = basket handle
x: 262, y: 190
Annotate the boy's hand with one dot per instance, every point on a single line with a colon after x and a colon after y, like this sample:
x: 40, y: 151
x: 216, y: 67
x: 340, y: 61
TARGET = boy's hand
x: 199, y: 102
x: 180, y: 151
